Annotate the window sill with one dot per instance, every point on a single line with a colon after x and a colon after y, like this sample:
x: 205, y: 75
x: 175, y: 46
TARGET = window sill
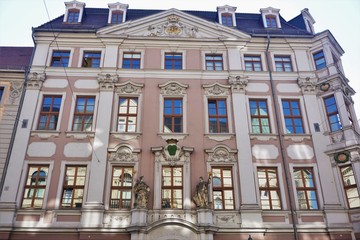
x: 125, y: 135
x: 45, y: 134
x: 177, y: 136
x: 263, y: 136
x: 79, y: 134
x: 219, y: 137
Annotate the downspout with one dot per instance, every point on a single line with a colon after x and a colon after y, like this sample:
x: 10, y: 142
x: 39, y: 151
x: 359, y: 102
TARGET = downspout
x: 16, y: 123
x: 277, y: 120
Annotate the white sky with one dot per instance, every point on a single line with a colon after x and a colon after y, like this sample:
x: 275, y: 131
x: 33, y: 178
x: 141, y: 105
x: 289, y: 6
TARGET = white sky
x: 341, y: 17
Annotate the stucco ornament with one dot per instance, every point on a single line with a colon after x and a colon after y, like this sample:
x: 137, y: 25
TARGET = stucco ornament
x: 307, y: 85
x: 35, y: 80
x: 172, y: 152
x: 216, y: 89
x: 15, y: 91
x: 123, y: 154
x: 173, y: 88
x: 238, y: 83
x: 142, y: 191
x: 172, y: 28
x: 129, y: 88
x: 107, y: 81
x: 201, y: 196
x: 221, y: 154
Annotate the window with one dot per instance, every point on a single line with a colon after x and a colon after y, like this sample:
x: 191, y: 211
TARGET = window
x: 223, y: 190
x: 214, y: 62
x: 252, y: 63
x: 35, y: 187
x: 49, y: 113
x: 283, y: 64
x: 117, y: 17
x: 292, y: 116
x: 2, y: 90
x: 121, y: 187
x: 60, y: 59
x: 172, y: 188
x: 173, y: 111
x: 131, y: 60
x: 332, y: 113
x: 259, y: 116
x: 305, y: 188
x: 173, y: 61
x: 73, y: 16
x: 351, y: 191
x: 217, y: 116
x: 269, y: 188
x: 127, y: 116
x: 271, y: 21
x: 91, y: 59
x: 73, y: 190
x: 83, y: 115
x: 319, y: 60
x: 226, y: 19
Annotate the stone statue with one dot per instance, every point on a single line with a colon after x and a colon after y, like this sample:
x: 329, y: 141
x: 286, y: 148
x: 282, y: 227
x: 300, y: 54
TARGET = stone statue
x: 201, y: 197
x: 142, y: 191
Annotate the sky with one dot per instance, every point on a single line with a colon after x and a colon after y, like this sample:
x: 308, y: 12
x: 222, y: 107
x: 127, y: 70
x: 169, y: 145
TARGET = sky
x: 339, y: 16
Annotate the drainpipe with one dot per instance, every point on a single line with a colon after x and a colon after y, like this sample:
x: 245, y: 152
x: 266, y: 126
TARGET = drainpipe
x: 277, y: 120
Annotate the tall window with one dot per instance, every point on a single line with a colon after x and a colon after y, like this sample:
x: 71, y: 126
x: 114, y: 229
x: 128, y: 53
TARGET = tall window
x: 173, y: 115
x: 292, y: 115
x: 121, y: 187
x: 116, y: 17
x: 305, y: 188
x: 73, y: 190
x: 60, y: 59
x: 332, y: 113
x: 172, y: 187
x: 259, y: 116
x: 223, y: 188
x: 319, y: 60
x: 49, y: 113
x: 73, y: 15
x: 227, y: 20
x: 269, y: 188
x: 34, y: 192
x: 214, y: 62
x: 131, y: 60
x: 283, y: 64
x: 217, y: 116
x: 252, y: 63
x: 127, y: 116
x: 84, y: 112
x: 173, y: 61
x: 351, y: 191
x: 91, y: 59
x: 271, y: 21
x: 2, y: 90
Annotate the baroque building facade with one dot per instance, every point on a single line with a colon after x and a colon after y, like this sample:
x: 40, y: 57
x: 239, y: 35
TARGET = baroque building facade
x: 169, y: 124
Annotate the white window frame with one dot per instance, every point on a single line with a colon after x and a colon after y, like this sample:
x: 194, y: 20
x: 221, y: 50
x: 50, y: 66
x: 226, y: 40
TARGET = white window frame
x: 117, y: 7
x: 281, y: 53
x: 51, y: 51
x: 317, y: 184
x: 74, y: 5
x: 131, y: 50
x: 38, y: 109
x: 303, y: 114
x: 270, y: 11
x: 82, y: 50
x: 228, y: 10
x: 270, y: 113
x: 22, y: 184
x: 253, y: 53
x: 163, y: 52
x: 224, y: 56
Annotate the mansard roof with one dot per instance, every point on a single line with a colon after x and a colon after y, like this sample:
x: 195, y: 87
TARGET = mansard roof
x: 15, y: 58
x: 250, y: 23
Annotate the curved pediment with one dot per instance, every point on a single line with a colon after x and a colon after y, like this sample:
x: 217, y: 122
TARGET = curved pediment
x: 172, y: 23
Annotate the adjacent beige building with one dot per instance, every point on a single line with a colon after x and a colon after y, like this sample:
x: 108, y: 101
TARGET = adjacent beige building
x: 169, y: 124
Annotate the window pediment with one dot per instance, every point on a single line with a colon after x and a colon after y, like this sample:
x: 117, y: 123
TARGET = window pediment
x: 270, y: 17
x: 173, y: 88
x: 216, y: 89
x: 123, y: 153
x: 221, y: 153
x: 129, y: 87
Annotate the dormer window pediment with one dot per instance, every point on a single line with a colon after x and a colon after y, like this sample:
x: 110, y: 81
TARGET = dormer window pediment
x: 117, y: 12
x: 74, y: 12
x: 270, y: 17
x: 226, y: 15
x: 309, y: 20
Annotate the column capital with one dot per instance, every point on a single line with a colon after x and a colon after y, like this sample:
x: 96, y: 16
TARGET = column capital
x: 35, y: 80
x: 238, y: 83
x: 307, y: 85
x: 107, y: 81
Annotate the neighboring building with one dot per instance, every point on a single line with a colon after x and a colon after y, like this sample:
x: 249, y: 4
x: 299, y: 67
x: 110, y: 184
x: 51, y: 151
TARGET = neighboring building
x: 14, y: 63
x: 257, y: 106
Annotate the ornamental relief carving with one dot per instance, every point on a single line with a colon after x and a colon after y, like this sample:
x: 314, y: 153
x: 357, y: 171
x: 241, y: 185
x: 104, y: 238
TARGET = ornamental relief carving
x: 221, y: 154
x: 107, y: 81
x: 123, y: 154
x: 172, y: 28
x: 216, y: 89
x: 173, y: 88
x: 35, y: 80
x: 15, y: 91
x: 129, y: 88
x: 307, y: 85
x: 238, y: 83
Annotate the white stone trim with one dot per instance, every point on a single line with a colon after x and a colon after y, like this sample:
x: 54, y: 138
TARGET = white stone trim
x: 59, y: 48
x: 131, y: 50
x: 229, y: 10
x: 173, y: 50
x: 270, y: 11
x: 269, y: 108
x: 283, y: 53
x: 254, y: 53
x: 65, y: 163
x: 74, y: 5
x: 117, y: 7
x: 25, y: 169
x: 81, y: 56
x: 215, y: 51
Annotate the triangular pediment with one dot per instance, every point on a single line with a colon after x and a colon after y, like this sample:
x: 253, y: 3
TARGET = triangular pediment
x: 172, y: 23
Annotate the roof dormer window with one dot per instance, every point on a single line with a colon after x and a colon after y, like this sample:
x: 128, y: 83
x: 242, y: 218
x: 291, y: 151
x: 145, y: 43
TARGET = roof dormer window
x: 226, y: 15
x: 270, y: 17
x: 74, y: 11
x: 117, y: 12
x: 308, y: 20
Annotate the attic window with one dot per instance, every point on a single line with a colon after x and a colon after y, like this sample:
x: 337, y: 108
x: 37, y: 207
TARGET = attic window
x: 73, y: 16
x: 226, y: 19
x: 117, y: 17
x: 271, y: 21
x: 270, y: 17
